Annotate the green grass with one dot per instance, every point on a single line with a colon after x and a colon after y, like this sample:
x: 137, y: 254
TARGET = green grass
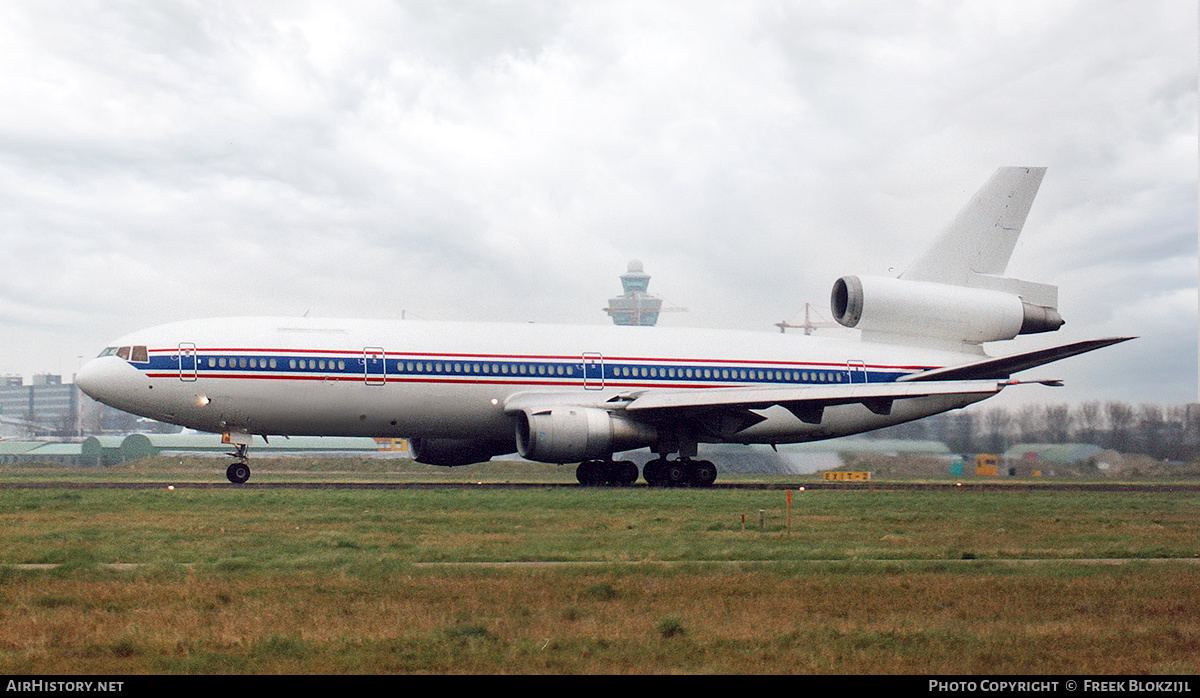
x: 850, y: 618
x: 237, y: 580
x: 320, y: 529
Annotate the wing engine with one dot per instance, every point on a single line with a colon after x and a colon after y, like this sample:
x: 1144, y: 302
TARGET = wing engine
x: 568, y: 434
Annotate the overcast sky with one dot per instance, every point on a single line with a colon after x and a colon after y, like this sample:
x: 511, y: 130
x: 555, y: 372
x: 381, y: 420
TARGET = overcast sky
x: 505, y: 160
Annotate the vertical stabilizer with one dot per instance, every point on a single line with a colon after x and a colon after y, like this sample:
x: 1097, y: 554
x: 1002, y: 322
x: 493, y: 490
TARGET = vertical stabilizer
x: 981, y: 238
x: 955, y: 296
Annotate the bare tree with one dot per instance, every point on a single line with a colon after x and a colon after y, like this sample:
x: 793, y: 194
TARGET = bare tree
x: 1058, y: 424
x: 1150, y: 429
x: 958, y: 432
x: 1031, y: 423
x: 1120, y: 425
x: 998, y: 422
x: 1175, y: 434
x: 1089, y: 419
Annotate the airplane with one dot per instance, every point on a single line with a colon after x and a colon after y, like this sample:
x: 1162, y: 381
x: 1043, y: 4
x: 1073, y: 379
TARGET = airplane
x: 465, y: 392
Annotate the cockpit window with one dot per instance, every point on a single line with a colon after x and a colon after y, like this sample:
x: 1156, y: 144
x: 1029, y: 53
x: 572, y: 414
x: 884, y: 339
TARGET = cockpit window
x: 138, y: 354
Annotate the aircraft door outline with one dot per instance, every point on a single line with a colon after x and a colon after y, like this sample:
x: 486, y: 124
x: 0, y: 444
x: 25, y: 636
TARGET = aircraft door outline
x: 187, y: 362
x: 593, y: 371
x: 858, y: 371
x: 374, y: 366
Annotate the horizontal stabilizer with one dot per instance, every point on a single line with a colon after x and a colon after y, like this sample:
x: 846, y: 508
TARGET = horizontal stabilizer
x: 1005, y: 366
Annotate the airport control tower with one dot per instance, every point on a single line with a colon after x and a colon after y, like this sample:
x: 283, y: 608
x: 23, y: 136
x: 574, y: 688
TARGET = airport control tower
x: 636, y: 307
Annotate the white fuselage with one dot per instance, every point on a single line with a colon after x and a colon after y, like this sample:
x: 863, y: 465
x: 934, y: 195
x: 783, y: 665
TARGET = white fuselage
x: 566, y: 394
x: 291, y: 376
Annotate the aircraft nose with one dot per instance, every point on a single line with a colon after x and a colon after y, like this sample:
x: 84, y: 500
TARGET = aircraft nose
x: 87, y: 379
x: 105, y: 379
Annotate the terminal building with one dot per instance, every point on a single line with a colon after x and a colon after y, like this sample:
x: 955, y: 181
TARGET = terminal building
x: 51, y: 408
x: 46, y: 407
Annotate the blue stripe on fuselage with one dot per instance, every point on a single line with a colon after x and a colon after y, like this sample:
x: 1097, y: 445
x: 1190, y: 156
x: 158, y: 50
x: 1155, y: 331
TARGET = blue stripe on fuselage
x: 504, y: 369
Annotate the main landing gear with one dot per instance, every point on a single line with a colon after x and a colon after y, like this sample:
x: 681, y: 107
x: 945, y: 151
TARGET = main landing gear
x: 607, y: 472
x: 238, y: 472
x: 683, y: 472
x: 660, y: 472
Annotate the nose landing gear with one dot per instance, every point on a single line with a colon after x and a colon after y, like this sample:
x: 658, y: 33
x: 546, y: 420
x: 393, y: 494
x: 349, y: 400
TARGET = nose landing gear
x: 239, y: 471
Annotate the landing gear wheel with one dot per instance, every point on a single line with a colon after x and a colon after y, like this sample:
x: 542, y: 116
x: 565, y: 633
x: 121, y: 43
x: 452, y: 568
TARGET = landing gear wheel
x: 655, y: 472
x: 596, y: 473
x: 677, y: 473
x: 624, y: 473
x: 704, y: 473
x: 592, y: 473
x: 238, y: 473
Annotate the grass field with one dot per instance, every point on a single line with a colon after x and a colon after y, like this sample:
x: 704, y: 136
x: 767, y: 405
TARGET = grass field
x: 573, y: 580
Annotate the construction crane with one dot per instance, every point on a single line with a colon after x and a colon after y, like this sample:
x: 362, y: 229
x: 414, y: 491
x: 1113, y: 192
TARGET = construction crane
x: 808, y: 325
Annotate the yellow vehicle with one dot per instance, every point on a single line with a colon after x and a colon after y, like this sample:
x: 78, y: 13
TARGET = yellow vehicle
x: 986, y: 465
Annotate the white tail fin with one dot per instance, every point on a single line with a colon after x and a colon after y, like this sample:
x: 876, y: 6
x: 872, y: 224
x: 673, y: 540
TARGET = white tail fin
x: 982, y: 236
x: 955, y: 295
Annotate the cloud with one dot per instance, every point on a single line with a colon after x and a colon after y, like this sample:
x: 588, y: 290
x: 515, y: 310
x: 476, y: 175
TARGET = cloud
x: 503, y: 160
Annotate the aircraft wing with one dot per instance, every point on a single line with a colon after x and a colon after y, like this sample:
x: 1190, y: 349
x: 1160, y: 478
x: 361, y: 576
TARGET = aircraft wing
x: 726, y: 411
x: 736, y: 404
x: 806, y: 402
x: 1005, y: 366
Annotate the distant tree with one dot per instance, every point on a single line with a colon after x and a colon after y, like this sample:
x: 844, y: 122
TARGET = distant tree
x: 1175, y: 433
x: 958, y: 432
x: 64, y: 427
x: 1120, y: 425
x: 1191, y: 427
x: 1031, y: 423
x: 1058, y: 424
x: 916, y: 430
x: 1171, y: 432
x: 998, y: 424
x: 1089, y: 421
x: 1151, y: 427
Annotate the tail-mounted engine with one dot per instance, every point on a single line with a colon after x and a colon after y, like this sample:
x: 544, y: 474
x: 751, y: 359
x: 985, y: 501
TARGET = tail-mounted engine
x: 572, y: 434
x: 939, y: 311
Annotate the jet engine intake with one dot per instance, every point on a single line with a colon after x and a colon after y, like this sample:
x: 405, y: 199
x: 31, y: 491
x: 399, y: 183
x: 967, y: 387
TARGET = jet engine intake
x: 941, y: 311
x: 572, y: 434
